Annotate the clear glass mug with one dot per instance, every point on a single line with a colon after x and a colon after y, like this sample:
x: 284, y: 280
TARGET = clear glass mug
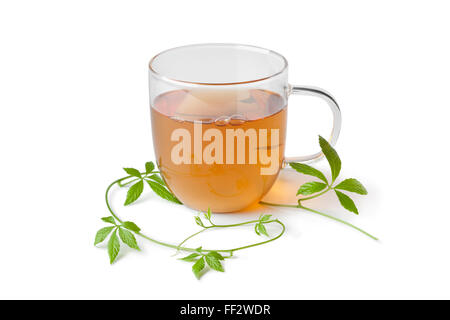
x: 219, y: 116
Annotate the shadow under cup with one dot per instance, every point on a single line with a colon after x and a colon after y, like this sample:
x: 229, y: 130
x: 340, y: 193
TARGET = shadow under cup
x: 219, y: 123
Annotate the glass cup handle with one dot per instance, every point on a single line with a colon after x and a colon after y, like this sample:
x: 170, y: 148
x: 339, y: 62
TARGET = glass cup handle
x: 317, y: 92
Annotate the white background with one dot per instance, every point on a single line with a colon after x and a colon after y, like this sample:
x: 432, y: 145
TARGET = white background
x: 74, y: 111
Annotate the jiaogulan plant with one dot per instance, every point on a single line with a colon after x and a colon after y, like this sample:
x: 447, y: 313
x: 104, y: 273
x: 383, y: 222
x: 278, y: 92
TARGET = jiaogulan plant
x: 204, y: 259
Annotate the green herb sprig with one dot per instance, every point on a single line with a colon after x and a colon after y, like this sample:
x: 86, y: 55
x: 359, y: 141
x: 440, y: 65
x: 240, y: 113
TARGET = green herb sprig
x: 152, y: 178
x: 202, y: 259
x: 209, y: 256
x: 316, y: 189
x: 124, y: 233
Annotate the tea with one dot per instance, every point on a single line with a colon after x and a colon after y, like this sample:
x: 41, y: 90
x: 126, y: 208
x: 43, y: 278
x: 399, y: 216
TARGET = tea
x: 219, y: 149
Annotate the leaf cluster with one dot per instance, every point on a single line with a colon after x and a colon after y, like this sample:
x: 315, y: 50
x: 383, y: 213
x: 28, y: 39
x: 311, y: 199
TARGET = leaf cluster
x: 200, y: 260
x: 323, y: 186
x: 125, y: 231
x: 152, y: 178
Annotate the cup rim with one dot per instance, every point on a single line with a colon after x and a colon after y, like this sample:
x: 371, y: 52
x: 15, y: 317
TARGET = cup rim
x: 247, y: 46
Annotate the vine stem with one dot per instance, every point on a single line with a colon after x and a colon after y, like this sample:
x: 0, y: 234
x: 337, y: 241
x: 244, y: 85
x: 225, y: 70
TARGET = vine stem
x: 339, y: 220
x: 179, y: 247
x: 237, y: 225
x: 319, y: 213
x: 191, y: 236
x: 316, y: 195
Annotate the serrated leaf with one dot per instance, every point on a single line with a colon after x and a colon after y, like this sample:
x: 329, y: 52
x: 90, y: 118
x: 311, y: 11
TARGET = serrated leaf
x: 134, y: 192
x: 149, y: 166
x: 128, y: 238
x: 131, y: 226
x: 346, y: 202
x: 308, y: 170
x: 162, y: 192
x: 311, y: 187
x: 157, y: 178
x: 265, y: 217
x: 216, y: 255
x: 113, y: 247
x: 133, y: 172
x: 352, y: 185
x: 198, y: 267
x: 332, y: 157
x: 109, y: 220
x: 199, y: 221
x: 214, y: 263
x: 191, y: 257
x: 262, y: 229
x: 102, y: 234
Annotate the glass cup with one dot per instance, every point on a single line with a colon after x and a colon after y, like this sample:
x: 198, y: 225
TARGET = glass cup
x: 219, y: 116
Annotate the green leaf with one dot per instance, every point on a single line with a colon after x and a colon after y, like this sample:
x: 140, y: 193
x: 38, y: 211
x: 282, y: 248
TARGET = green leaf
x: 262, y: 229
x: 191, y: 257
x: 102, y: 234
x: 149, y: 166
x: 133, y: 172
x: 199, y: 249
x: 352, y: 185
x: 214, y: 263
x: 332, y: 157
x: 113, y: 247
x: 162, y: 192
x: 109, y: 220
x: 216, y: 255
x: 346, y: 202
x: 308, y: 170
x: 157, y: 178
x: 134, y: 192
x: 208, y: 214
x: 311, y: 187
x: 256, y: 229
x: 199, y: 221
x: 131, y: 226
x: 265, y: 217
x: 198, y: 267
x: 128, y: 238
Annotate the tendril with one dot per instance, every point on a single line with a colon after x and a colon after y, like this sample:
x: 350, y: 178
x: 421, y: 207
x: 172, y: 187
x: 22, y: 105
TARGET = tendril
x: 188, y: 249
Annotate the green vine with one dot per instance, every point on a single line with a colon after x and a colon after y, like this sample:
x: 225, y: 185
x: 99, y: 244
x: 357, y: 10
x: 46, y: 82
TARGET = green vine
x: 200, y: 257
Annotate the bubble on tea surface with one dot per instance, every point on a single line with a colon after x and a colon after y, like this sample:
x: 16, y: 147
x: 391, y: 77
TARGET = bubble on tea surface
x: 178, y: 119
x: 237, y: 120
x: 222, y: 121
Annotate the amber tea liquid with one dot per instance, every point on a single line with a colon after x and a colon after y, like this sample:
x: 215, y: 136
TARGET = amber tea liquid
x: 213, y: 168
